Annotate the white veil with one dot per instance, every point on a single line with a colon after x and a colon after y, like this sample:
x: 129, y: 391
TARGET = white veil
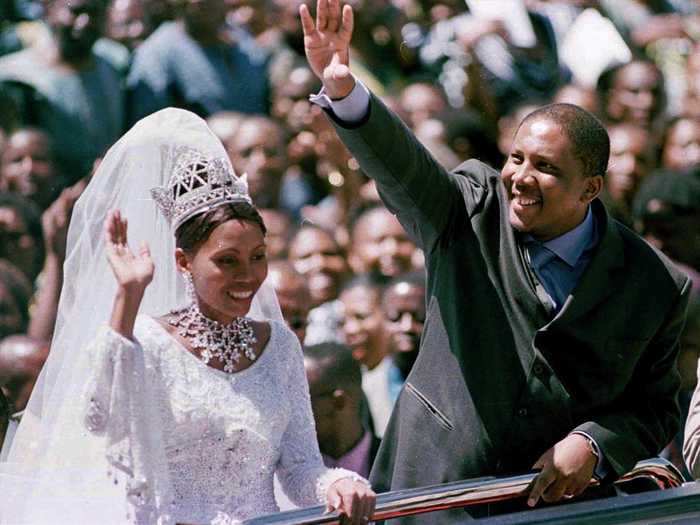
x: 56, y: 471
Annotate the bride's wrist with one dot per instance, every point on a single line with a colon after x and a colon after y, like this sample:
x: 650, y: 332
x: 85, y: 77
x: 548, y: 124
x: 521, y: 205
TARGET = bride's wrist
x: 130, y: 293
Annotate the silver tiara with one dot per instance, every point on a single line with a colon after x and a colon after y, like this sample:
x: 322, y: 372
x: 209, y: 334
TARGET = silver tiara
x: 197, y: 185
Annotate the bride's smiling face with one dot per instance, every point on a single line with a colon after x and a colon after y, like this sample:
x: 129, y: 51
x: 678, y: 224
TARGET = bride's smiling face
x: 227, y: 269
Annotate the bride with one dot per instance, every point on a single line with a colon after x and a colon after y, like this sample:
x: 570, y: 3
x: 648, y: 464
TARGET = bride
x: 183, y: 404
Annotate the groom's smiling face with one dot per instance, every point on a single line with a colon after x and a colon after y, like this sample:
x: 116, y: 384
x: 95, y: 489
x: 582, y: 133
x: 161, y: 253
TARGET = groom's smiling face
x: 548, y: 193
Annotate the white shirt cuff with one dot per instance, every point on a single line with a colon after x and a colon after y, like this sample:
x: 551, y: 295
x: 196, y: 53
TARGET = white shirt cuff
x: 349, y: 110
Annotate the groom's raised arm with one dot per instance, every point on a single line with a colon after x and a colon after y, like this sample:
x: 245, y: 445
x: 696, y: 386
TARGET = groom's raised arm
x: 410, y: 181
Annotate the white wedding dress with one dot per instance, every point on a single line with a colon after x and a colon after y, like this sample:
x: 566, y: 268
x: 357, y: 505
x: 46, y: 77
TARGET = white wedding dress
x: 224, y: 435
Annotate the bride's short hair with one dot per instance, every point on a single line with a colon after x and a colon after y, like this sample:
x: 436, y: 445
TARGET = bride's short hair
x: 196, y: 230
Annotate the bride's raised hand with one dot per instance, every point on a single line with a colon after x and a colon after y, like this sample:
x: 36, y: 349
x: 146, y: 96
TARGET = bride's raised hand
x: 133, y: 272
x: 327, y: 45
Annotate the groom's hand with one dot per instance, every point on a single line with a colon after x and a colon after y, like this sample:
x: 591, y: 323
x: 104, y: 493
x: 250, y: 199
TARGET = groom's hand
x: 567, y: 469
x: 327, y: 45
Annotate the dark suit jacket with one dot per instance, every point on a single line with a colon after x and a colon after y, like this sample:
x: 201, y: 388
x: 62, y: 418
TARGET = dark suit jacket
x: 497, y: 381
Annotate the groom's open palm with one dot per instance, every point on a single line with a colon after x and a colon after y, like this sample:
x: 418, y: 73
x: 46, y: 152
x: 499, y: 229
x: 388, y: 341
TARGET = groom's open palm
x: 327, y: 45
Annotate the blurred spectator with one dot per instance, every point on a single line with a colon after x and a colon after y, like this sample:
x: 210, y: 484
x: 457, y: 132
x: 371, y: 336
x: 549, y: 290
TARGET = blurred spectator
x: 291, y: 100
x: 433, y: 135
x: 283, y: 39
x: 663, y: 30
x: 578, y: 96
x: 380, y: 245
x: 403, y: 305
x: 62, y: 86
x: 27, y: 167
x: 469, y: 136
x: 128, y: 22
x: 363, y: 328
x: 257, y: 149
x: 278, y: 234
x: 508, y: 125
x: 160, y: 11
x: 54, y: 221
x: 321, y: 171
x: 21, y: 359
x: 421, y: 101
x: 632, y: 93
x: 335, y: 387
x: 21, y: 237
x: 363, y: 320
x: 691, y: 101
x: 225, y: 124
x: 667, y: 212
x: 252, y: 15
x: 437, y: 10
x: 312, y: 149
x: 631, y: 160
x: 644, y: 21
x: 680, y: 148
x: 293, y: 295
x: 317, y: 256
x: 478, y: 66
x: 195, y: 63
x: 451, y: 136
x: 9, y: 40
x: 15, y: 293
x: 380, y: 52
x: 560, y: 13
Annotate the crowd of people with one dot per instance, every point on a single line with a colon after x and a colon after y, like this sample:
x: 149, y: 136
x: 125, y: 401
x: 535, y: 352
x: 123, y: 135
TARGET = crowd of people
x: 75, y: 75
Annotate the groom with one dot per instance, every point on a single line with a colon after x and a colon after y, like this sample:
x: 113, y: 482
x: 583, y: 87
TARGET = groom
x: 552, y: 331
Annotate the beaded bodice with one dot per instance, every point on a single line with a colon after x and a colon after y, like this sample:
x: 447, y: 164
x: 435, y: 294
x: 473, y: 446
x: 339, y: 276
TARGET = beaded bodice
x: 226, y: 435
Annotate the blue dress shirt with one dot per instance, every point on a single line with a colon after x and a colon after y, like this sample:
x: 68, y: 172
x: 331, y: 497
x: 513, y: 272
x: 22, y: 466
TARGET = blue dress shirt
x: 560, y: 262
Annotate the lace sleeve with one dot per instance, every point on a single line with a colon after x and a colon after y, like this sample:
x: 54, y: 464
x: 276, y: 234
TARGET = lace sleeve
x: 105, y: 351
x: 300, y: 470
x: 121, y: 405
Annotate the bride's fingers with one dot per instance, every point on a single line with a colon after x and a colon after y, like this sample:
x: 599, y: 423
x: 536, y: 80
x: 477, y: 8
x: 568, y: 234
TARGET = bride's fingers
x: 110, y: 228
x: 365, y: 506
x: 144, y: 250
x: 116, y: 227
x: 124, y: 227
x: 349, y: 506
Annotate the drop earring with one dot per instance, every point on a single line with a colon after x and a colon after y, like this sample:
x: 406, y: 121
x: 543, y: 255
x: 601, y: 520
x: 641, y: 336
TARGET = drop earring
x: 189, y: 285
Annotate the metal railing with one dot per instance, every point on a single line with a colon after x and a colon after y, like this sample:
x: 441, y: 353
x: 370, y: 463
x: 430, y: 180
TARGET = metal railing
x: 658, y: 472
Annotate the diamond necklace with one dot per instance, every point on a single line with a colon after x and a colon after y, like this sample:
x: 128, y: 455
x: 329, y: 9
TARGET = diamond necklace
x: 215, y: 340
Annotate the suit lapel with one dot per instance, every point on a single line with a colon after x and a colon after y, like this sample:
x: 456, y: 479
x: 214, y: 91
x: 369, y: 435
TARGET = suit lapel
x: 600, y: 278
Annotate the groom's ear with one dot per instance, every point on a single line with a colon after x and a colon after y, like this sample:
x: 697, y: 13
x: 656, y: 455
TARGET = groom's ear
x: 182, y: 261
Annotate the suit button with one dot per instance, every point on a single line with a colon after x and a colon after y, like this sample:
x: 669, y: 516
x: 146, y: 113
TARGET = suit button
x: 538, y: 369
x: 522, y: 412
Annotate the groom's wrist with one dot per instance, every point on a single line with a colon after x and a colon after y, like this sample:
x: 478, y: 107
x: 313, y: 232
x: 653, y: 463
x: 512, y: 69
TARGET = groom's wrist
x: 339, y: 92
x: 351, y: 109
